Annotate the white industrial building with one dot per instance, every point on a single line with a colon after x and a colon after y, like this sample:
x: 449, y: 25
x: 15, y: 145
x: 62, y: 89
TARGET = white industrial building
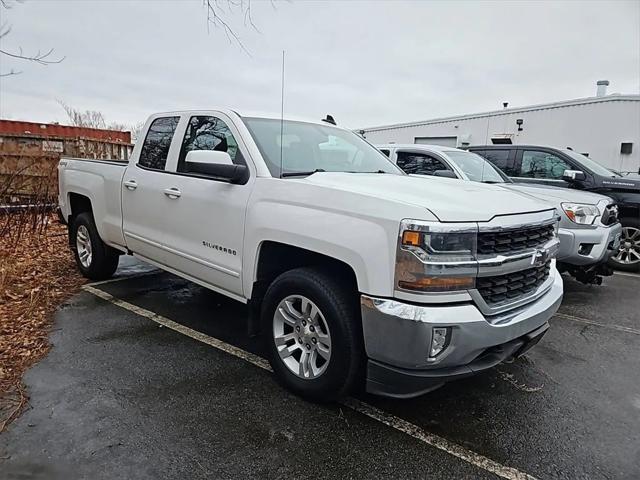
x: 604, y: 127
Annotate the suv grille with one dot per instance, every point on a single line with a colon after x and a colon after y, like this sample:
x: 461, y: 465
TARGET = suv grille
x: 512, y: 286
x: 610, y: 215
x: 508, y: 241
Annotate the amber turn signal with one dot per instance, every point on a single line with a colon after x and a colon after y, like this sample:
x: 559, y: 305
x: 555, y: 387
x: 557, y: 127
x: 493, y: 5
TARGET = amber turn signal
x: 411, y: 238
x: 437, y: 283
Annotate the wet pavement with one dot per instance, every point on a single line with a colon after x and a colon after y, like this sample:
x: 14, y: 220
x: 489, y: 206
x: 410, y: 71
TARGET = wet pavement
x: 121, y: 397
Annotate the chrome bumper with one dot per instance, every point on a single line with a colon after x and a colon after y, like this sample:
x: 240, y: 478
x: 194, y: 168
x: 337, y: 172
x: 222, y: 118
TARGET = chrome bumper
x: 399, y: 334
x: 604, y: 242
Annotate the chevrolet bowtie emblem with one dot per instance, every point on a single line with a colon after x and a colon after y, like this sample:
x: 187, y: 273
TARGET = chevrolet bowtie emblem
x: 540, y: 257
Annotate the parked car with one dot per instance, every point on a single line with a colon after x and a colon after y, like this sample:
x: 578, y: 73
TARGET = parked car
x: 566, y: 168
x: 354, y: 274
x: 589, y: 228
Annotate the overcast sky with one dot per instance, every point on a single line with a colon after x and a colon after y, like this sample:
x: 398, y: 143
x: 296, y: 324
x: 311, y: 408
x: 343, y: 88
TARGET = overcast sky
x: 366, y: 63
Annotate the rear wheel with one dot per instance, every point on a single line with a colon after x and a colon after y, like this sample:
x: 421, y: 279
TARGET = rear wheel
x: 628, y: 255
x: 313, y: 334
x: 95, y: 259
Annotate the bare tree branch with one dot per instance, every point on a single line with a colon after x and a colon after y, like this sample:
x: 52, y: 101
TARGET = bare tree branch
x: 9, y: 73
x: 9, y: 3
x: 41, y: 58
x: 217, y: 14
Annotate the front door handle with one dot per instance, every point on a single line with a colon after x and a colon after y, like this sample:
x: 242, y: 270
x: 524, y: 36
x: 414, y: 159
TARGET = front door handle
x: 131, y: 184
x: 172, y: 192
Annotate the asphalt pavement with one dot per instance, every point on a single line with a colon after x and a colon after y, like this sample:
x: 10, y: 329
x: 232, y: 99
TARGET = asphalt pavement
x: 122, y: 395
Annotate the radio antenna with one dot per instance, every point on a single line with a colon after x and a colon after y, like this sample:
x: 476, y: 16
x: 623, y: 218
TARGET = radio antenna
x: 281, y: 114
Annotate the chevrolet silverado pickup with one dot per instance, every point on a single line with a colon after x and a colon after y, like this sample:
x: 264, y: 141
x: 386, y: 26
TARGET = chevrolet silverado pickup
x: 589, y: 232
x: 355, y: 274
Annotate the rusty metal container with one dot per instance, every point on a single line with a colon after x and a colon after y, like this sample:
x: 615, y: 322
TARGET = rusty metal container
x: 29, y: 154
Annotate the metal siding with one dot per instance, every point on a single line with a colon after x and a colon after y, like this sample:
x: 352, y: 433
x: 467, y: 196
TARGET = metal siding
x: 443, y: 141
x: 596, y: 128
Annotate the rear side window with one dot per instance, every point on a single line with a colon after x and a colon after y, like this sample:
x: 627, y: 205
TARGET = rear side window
x: 500, y: 158
x: 208, y: 133
x: 537, y: 164
x: 419, y: 163
x: 155, y: 148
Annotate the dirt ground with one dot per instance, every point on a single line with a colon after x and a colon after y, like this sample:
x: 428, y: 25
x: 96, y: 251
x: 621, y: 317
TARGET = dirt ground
x: 37, y: 273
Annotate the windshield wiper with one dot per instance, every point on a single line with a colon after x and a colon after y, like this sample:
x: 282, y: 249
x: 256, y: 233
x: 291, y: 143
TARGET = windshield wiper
x: 302, y: 174
x: 377, y: 171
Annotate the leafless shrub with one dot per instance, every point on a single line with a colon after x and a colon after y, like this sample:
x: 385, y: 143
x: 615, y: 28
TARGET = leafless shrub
x: 96, y: 119
x: 22, y: 214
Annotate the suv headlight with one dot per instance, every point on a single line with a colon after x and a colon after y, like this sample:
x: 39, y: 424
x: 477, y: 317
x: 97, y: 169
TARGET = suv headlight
x: 581, y: 213
x: 433, y: 257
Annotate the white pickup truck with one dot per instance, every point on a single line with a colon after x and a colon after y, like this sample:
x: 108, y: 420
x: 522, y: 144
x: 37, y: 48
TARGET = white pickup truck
x: 356, y: 274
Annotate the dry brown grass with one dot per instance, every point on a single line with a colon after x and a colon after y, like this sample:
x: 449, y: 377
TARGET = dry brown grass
x: 37, y: 273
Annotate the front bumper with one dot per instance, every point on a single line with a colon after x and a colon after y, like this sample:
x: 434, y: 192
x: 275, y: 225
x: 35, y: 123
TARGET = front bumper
x: 397, y: 339
x: 596, y: 244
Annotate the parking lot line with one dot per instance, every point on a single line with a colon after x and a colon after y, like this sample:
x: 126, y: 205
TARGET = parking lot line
x: 627, y: 274
x: 596, y: 324
x: 363, y: 408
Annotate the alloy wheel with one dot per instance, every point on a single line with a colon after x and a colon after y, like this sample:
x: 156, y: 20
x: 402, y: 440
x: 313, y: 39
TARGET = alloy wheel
x: 302, y: 337
x: 629, y: 252
x: 83, y: 244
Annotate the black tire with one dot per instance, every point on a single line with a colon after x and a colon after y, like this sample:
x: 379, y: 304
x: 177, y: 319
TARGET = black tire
x: 104, y: 259
x: 627, y: 267
x: 338, y: 303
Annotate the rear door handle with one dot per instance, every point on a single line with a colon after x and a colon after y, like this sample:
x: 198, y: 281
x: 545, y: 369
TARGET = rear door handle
x: 131, y: 184
x: 172, y: 192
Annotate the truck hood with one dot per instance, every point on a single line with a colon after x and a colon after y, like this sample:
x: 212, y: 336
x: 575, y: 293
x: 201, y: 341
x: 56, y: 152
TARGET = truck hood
x: 450, y: 200
x: 556, y: 195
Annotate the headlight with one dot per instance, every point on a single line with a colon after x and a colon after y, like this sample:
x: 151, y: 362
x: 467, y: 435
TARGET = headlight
x: 435, y: 258
x: 581, y: 213
x: 440, y: 246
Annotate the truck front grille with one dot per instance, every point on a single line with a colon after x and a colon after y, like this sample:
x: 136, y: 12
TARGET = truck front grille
x: 514, y: 240
x: 610, y: 215
x: 513, y: 286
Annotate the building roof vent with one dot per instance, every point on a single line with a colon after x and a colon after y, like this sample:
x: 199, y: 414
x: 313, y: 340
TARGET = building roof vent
x: 602, y: 88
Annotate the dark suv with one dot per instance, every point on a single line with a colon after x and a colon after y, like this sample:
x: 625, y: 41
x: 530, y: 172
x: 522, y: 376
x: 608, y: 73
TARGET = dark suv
x: 566, y: 168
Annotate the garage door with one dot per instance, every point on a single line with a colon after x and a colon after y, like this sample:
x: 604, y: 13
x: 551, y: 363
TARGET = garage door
x: 444, y: 141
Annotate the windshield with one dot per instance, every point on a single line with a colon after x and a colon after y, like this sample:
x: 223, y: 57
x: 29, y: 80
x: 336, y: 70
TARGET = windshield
x: 308, y: 147
x: 592, y: 165
x: 477, y: 168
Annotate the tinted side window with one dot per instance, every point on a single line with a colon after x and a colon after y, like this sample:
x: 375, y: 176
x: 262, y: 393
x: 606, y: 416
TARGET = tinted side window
x: 537, y: 164
x: 157, y: 142
x: 419, y: 163
x: 500, y: 158
x: 385, y: 151
x: 208, y: 133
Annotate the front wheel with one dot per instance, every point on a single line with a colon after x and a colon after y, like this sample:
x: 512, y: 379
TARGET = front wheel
x: 628, y: 255
x: 95, y: 259
x: 313, y: 334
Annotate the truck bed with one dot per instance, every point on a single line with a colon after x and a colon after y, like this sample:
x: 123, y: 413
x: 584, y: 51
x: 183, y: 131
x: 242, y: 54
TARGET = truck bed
x: 100, y: 181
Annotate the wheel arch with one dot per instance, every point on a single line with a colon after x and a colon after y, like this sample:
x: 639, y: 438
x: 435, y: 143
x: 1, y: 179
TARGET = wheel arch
x: 274, y: 258
x: 78, y: 203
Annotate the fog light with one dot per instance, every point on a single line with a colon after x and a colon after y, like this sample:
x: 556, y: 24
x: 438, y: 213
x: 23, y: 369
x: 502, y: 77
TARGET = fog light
x: 439, y: 341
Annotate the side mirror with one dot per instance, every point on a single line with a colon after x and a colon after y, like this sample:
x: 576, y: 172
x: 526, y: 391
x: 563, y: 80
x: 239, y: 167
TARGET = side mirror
x: 209, y: 157
x: 215, y: 164
x: 573, y: 176
x: 445, y: 174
